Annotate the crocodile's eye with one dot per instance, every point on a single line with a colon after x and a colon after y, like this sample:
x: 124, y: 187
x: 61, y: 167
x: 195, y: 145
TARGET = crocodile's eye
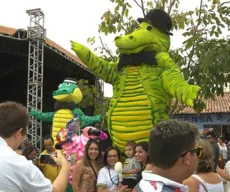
x: 149, y: 28
x: 67, y: 84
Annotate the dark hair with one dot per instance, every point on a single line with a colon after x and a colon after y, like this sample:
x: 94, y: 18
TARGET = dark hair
x: 107, y: 152
x: 168, y: 140
x: 205, y: 162
x: 86, y: 158
x: 29, y: 149
x: 131, y: 144
x: 145, y: 146
x: 49, y: 137
x: 212, y: 134
x: 221, y: 138
x: 13, y: 117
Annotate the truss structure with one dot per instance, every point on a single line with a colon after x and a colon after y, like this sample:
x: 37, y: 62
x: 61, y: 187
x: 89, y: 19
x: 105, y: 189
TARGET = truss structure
x: 36, y: 37
x: 99, y: 84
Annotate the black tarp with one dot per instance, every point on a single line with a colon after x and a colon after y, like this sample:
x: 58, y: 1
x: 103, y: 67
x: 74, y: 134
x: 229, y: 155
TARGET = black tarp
x: 13, y: 73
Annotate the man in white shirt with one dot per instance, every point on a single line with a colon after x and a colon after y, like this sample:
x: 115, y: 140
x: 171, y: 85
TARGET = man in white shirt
x: 17, y: 173
x: 173, y: 152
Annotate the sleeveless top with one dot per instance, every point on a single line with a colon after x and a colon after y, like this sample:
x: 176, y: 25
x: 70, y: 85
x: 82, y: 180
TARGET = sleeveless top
x: 224, y: 151
x: 139, y: 174
x: 219, y: 187
x: 88, y: 180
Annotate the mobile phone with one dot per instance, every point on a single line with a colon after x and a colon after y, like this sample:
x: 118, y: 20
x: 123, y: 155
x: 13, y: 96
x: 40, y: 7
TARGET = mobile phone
x: 46, y: 159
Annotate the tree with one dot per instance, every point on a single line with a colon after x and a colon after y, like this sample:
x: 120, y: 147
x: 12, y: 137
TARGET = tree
x: 88, y: 100
x: 88, y: 92
x: 103, y: 109
x: 203, y: 58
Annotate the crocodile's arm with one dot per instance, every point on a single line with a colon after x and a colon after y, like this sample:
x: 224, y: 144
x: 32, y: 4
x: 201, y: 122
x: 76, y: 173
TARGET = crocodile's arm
x: 86, y: 120
x: 42, y: 116
x: 174, y: 82
x: 107, y: 71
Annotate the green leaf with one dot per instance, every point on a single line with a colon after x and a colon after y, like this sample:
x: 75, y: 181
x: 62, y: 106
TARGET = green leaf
x: 126, y: 12
x: 216, y: 34
x: 204, y: 55
x: 117, y: 8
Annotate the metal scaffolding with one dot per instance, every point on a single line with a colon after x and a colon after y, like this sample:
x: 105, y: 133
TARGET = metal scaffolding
x: 99, y: 84
x: 36, y: 36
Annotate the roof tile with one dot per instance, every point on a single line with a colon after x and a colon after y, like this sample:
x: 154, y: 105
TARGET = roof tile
x: 219, y: 105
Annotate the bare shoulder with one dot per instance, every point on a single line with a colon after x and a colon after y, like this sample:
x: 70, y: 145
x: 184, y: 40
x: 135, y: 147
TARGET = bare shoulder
x: 80, y: 161
x: 78, y: 165
x: 190, y: 182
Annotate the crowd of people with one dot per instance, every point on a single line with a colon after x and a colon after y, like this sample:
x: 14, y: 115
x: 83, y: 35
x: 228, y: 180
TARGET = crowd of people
x: 176, y: 159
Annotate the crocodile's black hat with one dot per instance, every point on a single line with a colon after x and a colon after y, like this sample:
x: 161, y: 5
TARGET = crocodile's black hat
x: 158, y: 18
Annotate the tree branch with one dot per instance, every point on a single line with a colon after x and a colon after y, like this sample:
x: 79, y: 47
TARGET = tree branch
x: 171, y: 4
x: 123, y: 28
x: 199, y: 18
x: 224, y: 3
x: 176, y: 107
x: 194, y: 33
x: 163, y: 6
x: 137, y: 4
x: 106, y: 49
x: 156, y: 2
x: 141, y: 6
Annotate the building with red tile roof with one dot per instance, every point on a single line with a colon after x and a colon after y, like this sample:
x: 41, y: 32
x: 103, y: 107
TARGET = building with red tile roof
x: 219, y: 105
x: 215, y: 116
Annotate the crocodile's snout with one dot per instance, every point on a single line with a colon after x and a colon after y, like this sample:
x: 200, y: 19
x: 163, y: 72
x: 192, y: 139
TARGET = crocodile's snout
x: 60, y: 92
x: 130, y: 37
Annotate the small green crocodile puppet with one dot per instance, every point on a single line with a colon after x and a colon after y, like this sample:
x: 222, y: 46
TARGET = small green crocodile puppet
x: 144, y: 80
x: 67, y: 97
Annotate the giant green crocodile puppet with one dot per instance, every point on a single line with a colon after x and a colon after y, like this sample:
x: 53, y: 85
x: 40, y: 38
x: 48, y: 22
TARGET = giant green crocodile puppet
x: 144, y: 80
x: 67, y: 97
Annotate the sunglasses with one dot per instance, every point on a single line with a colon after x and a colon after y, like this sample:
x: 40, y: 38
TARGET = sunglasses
x: 198, y: 150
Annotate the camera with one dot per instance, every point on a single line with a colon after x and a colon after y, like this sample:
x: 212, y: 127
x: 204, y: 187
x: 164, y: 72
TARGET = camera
x: 46, y: 159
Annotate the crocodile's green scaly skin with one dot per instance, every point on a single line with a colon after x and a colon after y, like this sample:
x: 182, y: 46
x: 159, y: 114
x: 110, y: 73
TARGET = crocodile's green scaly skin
x: 142, y: 93
x: 61, y: 116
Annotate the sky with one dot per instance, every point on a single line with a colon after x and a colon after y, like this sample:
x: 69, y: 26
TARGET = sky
x: 73, y: 20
